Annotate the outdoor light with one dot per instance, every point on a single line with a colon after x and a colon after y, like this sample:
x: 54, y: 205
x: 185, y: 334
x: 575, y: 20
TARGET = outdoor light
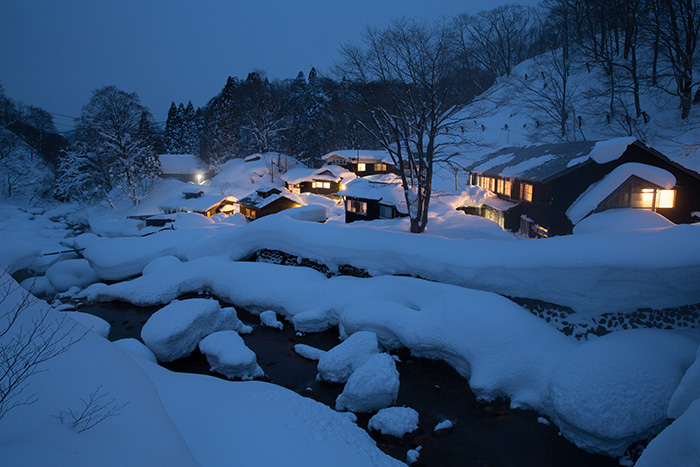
x: 199, y: 178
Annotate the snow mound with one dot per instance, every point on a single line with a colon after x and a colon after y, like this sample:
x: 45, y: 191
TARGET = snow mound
x: 306, y: 351
x: 73, y: 272
x: 394, y: 421
x: 687, y: 391
x: 617, y: 388
x: 678, y: 445
x: 228, y: 355
x: 443, y: 425
x: 175, y: 330
x: 91, y: 322
x: 341, y: 361
x: 371, y: 387
x: 269, y: 319
x: 621, y: 220
x: 39, y: 286
x: 163, y: 263
x: 17, y: 254
x: 316, y: 213
x: 135, y: 346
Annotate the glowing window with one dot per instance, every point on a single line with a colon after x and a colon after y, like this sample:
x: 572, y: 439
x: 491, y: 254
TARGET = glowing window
x: 526, y: 191
x: 642, y: 199
x: 507, y: 188
x: 380, y: 167
x: 665, y: 198
x: 499, y: 186
x: 361, y: 167
x: 327, y: 185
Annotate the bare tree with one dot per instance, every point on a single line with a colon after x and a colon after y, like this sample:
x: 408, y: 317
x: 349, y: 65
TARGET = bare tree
x: 94, y: 409
x: 28, y: 339
x: 406, y: 74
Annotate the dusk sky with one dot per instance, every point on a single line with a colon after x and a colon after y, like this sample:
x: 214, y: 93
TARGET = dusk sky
x: 56, y: 53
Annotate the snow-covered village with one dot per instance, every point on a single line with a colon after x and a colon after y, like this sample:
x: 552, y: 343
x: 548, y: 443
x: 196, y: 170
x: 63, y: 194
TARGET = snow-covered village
x: 468, y: 237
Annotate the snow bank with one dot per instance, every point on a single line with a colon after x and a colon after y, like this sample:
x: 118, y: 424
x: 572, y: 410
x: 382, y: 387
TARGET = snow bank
x: 73, y: 272
x: 269, y: 319
x: 687, y: 391
x: 394, y: 421
x: 163, y: 263
x: 91, y: 322
x: 621, y: 220
x: 308, y: 213
x: 678, y: 445
x: 228, y: 355
x: 39, y: 286
x: 175, y: 330
x: 136, y: 347
x: 17, y: 254
x: 373, y: 386
x: 617, y: 387
x: 341, y: 361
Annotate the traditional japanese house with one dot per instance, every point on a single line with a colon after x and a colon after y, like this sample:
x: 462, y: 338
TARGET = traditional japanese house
x: 362, y: 162
x: 374, y: 197
x: 325, y: 181
x: 194, y: 199
x: 546, y: 189
x: 265, y: 201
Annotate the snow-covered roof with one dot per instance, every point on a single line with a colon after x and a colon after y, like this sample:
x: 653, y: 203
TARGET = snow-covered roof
x: 543, y: 161
x: 200, y: 204
x: 257, y: 200
x: 360, y: 155
x: 597, y: 192
x: 327, y: 173
x: 181, y: 164
x: 384, y: 188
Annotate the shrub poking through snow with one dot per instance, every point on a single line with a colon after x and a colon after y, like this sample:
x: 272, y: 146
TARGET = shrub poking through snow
x: 394, y: 421
x: 371, y: 387
x: 175, y: 330
x: 338, y: 364
x: 228, y: 355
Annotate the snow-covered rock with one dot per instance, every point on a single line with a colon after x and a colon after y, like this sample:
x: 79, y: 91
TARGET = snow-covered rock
x: 268, y: 319
x: 39, y: 286
x: 394, y: 421
x: 615, y: 389
x: 228, y: 355
x: 92, y: 322
x: 306, y: 351
x: 341, y: 361
x: 163, y: 263
x: 678, y: 445
x: 687, y: 391
x: 371, y: 387
x: 175, y: 330
x: 73, y: 272
x: 16, y: 254
x: 443, y: 425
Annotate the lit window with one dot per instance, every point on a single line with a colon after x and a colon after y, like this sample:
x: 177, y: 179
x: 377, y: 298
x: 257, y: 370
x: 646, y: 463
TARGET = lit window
x: 499, y: 186
x: 326, y: 185
x: 665, y: 198
x: 526, y: 191
x: 358, y: 207
x: 380, y: 167
x: 643, y: 199
x: 508, y: 186
x: 361, y: 167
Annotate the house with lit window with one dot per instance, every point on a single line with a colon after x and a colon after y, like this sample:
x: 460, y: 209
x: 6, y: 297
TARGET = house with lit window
x: 544, y: 190
x: 327, y: 180
x: 184, y: 167
x: 195, y: 199
x: 361, y: 162
x: 374, y: 197
x: 265, y: 201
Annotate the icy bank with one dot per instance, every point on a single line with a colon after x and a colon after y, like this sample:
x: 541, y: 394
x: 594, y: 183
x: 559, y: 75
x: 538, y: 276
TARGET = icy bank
x: 502, y: 349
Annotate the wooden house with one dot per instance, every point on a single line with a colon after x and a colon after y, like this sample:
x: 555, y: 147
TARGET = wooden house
x: 362, y: 162
x: 325, y: 181
x: 265, y: 201
x: 194, y: 199
x: 374, y: 197
x: 546, y: 189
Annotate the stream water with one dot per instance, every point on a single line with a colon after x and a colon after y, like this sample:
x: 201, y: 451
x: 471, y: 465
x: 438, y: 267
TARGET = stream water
x: 484, y: 434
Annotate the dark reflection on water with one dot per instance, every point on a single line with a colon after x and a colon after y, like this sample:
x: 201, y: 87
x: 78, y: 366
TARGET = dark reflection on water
x: 484, y: 434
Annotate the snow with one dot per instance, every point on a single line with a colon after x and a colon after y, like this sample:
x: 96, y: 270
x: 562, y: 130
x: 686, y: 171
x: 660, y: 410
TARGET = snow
x: 175, y: 330
x: 642, y: 368
x: 687, y: 391
x: 341, y: 361
x: 443, y: 425
x: 163, y: 263
x: 91, y: 322
x: 269, y: 319
x: 621, y: 220
x: 520, y: 169
x: 39, y: 286
x: 136, y: 347
x: 394, y: 421
x: 308, y: 213
x: 371, y: 387
x: 307, y: 351
x: 412, y: 456
x: 361, y: 155
x: 501, y: 159
x: 17, y: 254
x: 73, y: 272
x: 228, y: 355
x: 181, y: 164
x: 610, y: 150
x: 595, y: 194
x: 678, y: 445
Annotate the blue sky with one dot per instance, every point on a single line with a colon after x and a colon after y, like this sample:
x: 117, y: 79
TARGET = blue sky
x: 55, y: 53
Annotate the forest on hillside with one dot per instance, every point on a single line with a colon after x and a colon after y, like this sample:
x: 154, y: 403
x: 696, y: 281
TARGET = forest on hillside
x: 401, y: 88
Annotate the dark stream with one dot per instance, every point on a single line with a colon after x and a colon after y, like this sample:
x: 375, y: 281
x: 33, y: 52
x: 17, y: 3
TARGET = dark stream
x: 484, y: 434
